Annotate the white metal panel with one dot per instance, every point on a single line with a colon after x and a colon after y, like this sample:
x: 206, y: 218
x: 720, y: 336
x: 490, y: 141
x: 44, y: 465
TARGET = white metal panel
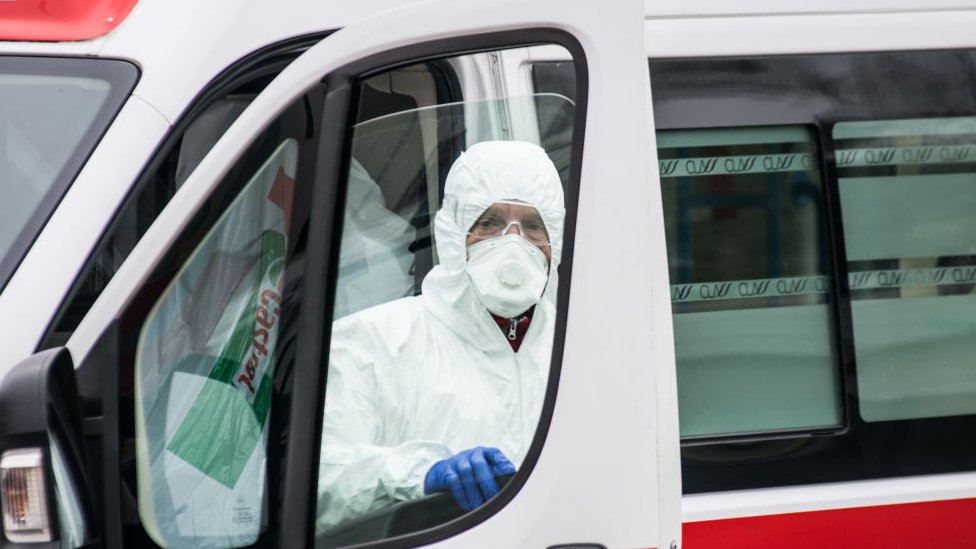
x: 705, y: 8
x: 834, y: 495
x: 603, y: 489
x: 39, y: 285
x: 797, y: 34
x: 181, y: 45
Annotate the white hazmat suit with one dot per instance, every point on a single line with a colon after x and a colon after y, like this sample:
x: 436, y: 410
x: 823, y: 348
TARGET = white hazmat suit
x: 374, y: 266
x: 419, y: 379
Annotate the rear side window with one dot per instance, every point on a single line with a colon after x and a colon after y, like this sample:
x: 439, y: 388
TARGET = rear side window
x: 819, y: 228
x: 420, y: 300
x: 749, y: 267
x: 908, y: 194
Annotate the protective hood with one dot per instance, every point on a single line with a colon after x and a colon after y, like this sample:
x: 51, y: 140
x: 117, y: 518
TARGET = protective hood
x: 487, y: 173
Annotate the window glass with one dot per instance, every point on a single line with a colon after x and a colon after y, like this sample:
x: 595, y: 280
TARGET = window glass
x: 52, y: 113
x: 457, y: 207
x: 204, y: 362
x: 748, y: 261
x: 44, y: 119
x: 897, y: 205
x: 908, y: 194
x: 72, y: 523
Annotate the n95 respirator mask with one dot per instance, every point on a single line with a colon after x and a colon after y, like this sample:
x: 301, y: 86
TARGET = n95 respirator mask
x: 509, y: 274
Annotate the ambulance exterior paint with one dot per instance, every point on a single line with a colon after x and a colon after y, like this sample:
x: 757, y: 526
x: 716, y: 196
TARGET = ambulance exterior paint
x: 213, y: 35
x: 604, y: 506
x: 703, y: 28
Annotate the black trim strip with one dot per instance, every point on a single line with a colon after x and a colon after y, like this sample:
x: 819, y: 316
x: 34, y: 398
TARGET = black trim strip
x: 305, y: 420
x: 843, y: 343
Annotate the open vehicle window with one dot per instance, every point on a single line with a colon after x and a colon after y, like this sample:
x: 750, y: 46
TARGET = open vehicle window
x: 52, y: 113
x: 437, y: 364
x: 216, y: 329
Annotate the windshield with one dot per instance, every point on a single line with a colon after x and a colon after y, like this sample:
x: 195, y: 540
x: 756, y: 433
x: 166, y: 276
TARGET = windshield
x: 52, y: 113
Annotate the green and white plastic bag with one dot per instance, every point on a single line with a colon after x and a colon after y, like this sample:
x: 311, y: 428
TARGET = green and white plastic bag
x: 204, y: 370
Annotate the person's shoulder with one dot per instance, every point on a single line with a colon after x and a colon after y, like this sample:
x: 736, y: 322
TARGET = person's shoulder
x: 375, y: 336
x: 383, y: 317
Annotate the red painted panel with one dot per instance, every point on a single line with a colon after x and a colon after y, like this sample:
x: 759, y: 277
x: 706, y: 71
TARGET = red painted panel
x: 57, y: 20
x: 949, y: 524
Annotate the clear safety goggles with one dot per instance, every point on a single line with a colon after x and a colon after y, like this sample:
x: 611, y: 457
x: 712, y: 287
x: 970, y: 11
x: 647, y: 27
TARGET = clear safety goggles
x: 510, y: 217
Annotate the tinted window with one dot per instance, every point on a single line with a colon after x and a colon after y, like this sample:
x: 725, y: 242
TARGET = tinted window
x: 748, y: 262
x: 908, y: 195
x: 847, y: 358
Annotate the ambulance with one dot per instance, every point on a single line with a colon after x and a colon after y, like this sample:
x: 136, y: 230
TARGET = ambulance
x: 765, y: 333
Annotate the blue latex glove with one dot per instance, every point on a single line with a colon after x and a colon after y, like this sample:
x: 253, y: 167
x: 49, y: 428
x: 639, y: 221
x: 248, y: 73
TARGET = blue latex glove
x: 469, y: 475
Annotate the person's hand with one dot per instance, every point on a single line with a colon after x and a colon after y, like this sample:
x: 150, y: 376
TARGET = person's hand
x: 469, y: 476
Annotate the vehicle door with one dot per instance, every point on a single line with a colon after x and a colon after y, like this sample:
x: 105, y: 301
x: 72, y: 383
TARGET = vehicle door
x: 205, y: 365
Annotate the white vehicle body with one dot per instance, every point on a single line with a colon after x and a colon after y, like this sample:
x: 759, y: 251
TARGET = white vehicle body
x: 609, y: 470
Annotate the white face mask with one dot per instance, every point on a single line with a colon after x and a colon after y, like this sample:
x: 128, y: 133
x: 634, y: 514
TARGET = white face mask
x: 509, y: 274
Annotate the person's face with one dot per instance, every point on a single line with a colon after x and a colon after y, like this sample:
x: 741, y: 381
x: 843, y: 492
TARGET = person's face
x: 503, y: 218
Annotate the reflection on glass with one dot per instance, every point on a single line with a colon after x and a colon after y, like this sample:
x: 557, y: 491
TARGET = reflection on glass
x: 908, y: 193
x: 747, y: 256
x: 387, y: 246
x: 441, y: 345
x: 72, y: 524
x: 204, y: 366
x: 45, y: 121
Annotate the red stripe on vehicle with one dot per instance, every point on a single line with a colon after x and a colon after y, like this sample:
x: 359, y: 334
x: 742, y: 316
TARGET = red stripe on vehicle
x: 933, y: 525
